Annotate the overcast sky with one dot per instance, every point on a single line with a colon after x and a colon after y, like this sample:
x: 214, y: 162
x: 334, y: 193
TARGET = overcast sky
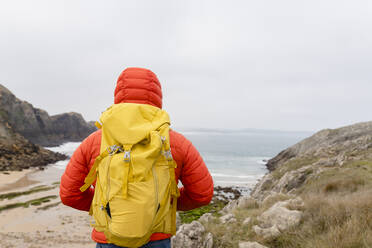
x: 269, y: 64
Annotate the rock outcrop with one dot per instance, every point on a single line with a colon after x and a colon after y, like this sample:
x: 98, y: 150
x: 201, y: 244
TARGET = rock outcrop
x: 278, y: 218
x: 332, y: 145
x: 191, y: 235
x: 37, y: 126
x: 326, y: 149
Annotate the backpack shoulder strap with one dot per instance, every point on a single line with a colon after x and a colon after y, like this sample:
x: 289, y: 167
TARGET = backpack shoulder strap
x: 91, y: 177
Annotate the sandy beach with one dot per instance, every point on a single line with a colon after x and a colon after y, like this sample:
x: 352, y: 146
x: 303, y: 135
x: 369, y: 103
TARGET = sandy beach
x: 45, y: 221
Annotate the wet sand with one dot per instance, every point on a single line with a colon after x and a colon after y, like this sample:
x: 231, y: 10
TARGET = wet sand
x: 34, y: 227
x: 15, y: 180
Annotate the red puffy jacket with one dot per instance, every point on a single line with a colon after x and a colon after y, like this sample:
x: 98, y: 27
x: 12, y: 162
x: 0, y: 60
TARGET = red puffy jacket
x: 137, y: 85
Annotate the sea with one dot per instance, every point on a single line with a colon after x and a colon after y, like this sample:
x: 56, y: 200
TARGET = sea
x: 234, y: 157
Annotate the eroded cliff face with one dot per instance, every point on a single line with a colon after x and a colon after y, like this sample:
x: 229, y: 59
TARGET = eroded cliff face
x: 37, y: 126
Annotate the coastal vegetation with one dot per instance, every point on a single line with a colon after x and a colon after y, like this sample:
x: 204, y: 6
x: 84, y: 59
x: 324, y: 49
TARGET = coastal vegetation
x: 33, y: 202
x: 36, y: 189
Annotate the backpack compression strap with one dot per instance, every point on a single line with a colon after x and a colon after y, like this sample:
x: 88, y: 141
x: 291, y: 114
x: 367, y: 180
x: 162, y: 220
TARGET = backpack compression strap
x: 174, y: 191
x: 93, y: 171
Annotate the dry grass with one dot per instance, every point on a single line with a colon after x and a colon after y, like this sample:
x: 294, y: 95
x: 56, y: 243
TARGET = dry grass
x: 332, y: 221
x: 337, y: 213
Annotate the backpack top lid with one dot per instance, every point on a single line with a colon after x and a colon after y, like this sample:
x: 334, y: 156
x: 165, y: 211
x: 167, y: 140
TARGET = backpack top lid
x: 130, y: 123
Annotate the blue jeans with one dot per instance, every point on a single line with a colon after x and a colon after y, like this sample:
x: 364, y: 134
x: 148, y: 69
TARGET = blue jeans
x: 165, y: 243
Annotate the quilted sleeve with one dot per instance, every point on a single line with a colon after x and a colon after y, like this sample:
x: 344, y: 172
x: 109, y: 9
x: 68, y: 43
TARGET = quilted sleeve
x: 197, y: 182
x: 76, y: 171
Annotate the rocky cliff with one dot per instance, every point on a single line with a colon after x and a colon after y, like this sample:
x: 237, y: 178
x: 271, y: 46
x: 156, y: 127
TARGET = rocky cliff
x: 329, y: 143
x: 17, y: 153
x: 37, y: 126
x: 327, y: 149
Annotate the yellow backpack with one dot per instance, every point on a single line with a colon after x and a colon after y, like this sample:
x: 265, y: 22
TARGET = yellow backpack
x: 136, y: 191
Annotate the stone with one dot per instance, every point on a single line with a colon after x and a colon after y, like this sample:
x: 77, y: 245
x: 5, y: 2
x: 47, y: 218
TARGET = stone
x: 282, y: 217
x: 269, y: 232
x: 227, y: 219
x: 189, y: 235
x: 242, y: 202
x: 208, y: 241
x: 250, y: 245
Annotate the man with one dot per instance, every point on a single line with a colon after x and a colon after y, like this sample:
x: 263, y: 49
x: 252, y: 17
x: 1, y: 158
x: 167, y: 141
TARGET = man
x: 138, y: 85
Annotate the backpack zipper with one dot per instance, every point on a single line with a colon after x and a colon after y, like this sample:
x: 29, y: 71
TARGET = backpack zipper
x: 156, y: 189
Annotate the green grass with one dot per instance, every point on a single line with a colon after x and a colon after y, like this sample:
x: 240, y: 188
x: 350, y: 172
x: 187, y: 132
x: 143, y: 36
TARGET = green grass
x: 34, y: 202
x: 191, y: 215
x: 46, y: 207
x: 36, y: 189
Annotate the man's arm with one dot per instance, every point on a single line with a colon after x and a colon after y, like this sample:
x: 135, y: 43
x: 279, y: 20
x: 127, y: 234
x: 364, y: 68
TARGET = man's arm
x: 76, y: 171
x: 197, y: 182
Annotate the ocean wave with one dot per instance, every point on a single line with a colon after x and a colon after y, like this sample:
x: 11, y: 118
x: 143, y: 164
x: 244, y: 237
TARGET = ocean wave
x: 234, y: 158
x: 66, y: 148
x: 61, y: 164
x: 236, y: 176
x: 245, y: 183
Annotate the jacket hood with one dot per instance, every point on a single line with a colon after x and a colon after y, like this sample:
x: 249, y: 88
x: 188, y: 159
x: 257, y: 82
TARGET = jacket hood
x: 138, y: 85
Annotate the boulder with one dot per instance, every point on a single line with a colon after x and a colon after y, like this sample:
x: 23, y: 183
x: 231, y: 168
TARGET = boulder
x: 280, y: 216
x: 227, y: 219
x: 269, y: 232
x: 208, y: 241
x: 242, y: 202
x: 189, y: 235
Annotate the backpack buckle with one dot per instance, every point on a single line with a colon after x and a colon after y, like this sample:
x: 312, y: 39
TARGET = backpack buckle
x: 168, y: 155
x: 114, y: 149
x: 127, y: 156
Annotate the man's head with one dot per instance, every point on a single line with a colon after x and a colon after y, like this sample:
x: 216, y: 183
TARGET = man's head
x: 138, y: 85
